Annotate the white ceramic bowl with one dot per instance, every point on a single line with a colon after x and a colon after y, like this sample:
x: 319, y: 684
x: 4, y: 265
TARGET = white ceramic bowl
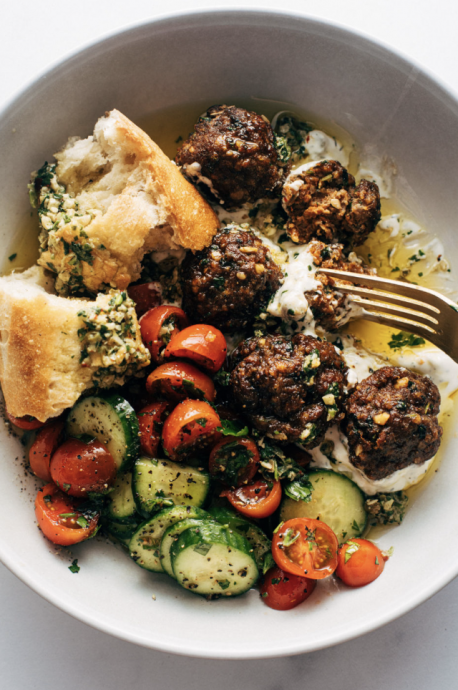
x: 384, y: 102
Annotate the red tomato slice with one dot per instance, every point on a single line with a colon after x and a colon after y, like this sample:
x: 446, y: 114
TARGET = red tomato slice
x: 205, y: 345
x: 234, y: 460
x: 360, y: 562
x: 150, y: 420
x: 146, y: 296
x: 303, y: 546
x: 27, y: 423
x: 257, y: 500
x: 158, y: 326
x: 59, y: 518
x: 283, y: 591
x: 190, y: 428
x: 178, y: 381
x: 43, y: 447
x: 79, y: 468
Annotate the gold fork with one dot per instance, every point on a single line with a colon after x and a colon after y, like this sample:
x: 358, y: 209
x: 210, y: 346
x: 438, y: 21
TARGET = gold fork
x: 411, y: 308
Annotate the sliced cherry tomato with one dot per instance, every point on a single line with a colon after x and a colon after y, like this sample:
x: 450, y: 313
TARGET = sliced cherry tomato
x: 79, y: 468
x: 27, y: 423
x: 190, y: 428
x: 146, y: 296
x: 234, y: 460
x: 43, y: 447
x: 360, y: 562
x: 303, y: 546
x: 299, y: 455
x: 205, y: 345
x: 59, y: 518
x: 178, y: 381
x: 150, y: 420
x: 283, y: 591
x: 257, y: 500
x: 158, y: 326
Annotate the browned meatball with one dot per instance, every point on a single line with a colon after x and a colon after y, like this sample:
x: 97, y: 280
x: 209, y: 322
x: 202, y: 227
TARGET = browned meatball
x: 230, y: 282
x: 323, y: 203
x: 331, y: 308
x: 290, y: 388
x: 391, y: 421
x: 233, y: 152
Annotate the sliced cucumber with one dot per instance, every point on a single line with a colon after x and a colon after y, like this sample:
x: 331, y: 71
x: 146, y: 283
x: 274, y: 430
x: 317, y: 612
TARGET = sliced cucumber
x: 112, y: 420
x: 122, y: 533
x: 171, y: 535
x: 212, y: 560
x: 121, y: 505
x: 160, y: 483
x: 145, y: 542
x: 260, y: 543
x: 335, y: 500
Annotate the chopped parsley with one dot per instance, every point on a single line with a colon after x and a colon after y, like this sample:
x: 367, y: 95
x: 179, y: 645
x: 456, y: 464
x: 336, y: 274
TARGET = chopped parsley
x: 403, y: 339
x: 74, y: 567
x: 299, y: 490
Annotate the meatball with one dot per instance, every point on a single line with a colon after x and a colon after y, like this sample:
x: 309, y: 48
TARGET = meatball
x: 331, y: 308
x: 323, y: 203
x: 230, y: 282
x: 289, y: 388
x: 391, y: 421
x: 233, y: 152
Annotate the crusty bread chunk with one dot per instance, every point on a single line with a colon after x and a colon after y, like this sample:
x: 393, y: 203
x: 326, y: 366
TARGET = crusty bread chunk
x: 109, y: 200
x: 52, y: 349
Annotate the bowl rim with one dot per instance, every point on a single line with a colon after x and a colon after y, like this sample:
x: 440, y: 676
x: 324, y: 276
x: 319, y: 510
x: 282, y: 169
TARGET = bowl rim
x: 101, y: 43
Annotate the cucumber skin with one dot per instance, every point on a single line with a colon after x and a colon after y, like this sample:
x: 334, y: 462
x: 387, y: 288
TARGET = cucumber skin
x: 111, y: 516
x: 260, y: 544
x: 130, y: 427
x: 212, y: 534
x: 165, y: 514
x: 350, y: 534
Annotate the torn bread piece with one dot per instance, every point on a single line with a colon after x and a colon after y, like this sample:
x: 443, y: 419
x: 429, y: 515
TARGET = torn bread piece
x: 109, y: 200
x: 52, y: 349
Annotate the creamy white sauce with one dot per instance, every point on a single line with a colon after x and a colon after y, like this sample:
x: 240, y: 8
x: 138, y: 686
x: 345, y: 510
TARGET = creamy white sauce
x: 383, y: 182
x: 338, y: 459
x: 436, y: 364
x: 320, y: 146
x: 361, y: 363
x: 290, y: 302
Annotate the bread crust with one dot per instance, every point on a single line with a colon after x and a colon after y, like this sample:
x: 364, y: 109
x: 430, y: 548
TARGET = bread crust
x: 41, y: 372
x: 155, y: 209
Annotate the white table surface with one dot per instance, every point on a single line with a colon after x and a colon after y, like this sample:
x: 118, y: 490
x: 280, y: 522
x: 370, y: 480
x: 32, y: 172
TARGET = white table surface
x: 43, y: 648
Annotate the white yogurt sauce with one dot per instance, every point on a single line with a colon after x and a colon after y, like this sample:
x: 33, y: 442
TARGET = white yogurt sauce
x: 437, y: 365
x: 340, y: 462
x: 290, y: 302
x: 321, y: 146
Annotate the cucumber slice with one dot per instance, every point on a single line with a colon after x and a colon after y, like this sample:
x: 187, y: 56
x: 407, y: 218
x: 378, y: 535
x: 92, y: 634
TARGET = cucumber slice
x: 146, y: 540
x: 121, y: 505
x: 122, y: 533
x: 112, y: 420
x: 161, y: 483
x: 171, y: 535
x: 260, y: 544
x: 335, y: 500
x: 212, y: 560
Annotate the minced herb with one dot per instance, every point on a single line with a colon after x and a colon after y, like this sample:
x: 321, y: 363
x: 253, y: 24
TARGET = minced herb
x: 74, y: 567
x: 294, y: 132
x: 403, y: 339
x: 386, y: 509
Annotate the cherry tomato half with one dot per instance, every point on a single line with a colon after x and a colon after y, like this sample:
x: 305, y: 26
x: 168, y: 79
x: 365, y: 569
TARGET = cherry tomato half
x: 178, y: 381
x: 191, y: 427
x: 27, y: 423
x: 43, y: 447
x: 303, y: 546
x: 257, y: 500
x: 158, y: 326
x: 150, y: 420
x: 59, y: 518
x: 205, y: 345
x: 79, y: 468
x: 234, y: 460
x: 146, y: 296
x: 360, y: 562
x: 283, y: 591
